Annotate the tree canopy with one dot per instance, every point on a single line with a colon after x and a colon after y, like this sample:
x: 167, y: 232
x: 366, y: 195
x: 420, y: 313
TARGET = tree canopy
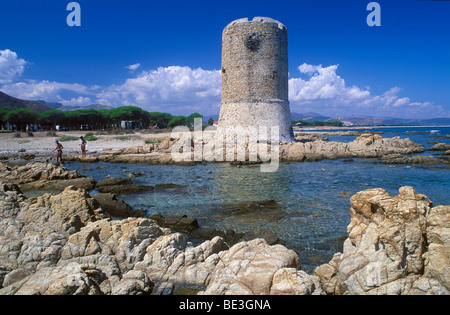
x: 21, y: 117
x: 91, y: 119
x: 318, y: 123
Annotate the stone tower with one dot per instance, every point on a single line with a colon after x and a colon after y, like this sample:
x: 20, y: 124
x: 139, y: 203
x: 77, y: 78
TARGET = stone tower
x: 255, y: 76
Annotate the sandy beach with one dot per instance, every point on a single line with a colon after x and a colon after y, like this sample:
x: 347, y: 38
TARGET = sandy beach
x: 41, y: 144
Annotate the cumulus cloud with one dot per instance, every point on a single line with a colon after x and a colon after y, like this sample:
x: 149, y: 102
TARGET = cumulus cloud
x: 323, y: 84
x: 325, y: 92
x: 170, y: 89
x: 11, y: 66
x: 46, y: 90
x: 133, y: 67
x: 78, y: 101
x: 309, y: 69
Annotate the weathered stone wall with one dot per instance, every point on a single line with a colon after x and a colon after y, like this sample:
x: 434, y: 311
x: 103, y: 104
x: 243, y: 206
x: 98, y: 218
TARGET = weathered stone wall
x: 255, y: 76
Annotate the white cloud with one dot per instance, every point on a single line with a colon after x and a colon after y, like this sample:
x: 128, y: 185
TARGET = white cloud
x: 325, y: 92
x: 46, y: 90
x: 309, y: 69
x: 324, y: 83
x: 11, y: 66
x: 79, y: 101
x: 171, y: 89
x: 133, y: 67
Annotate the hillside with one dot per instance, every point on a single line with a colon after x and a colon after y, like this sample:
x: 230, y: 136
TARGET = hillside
x: 372, y: 121
x: 66, y: 108
x: 377, y: 121
x: 93, y: 106
x: 12, y: 102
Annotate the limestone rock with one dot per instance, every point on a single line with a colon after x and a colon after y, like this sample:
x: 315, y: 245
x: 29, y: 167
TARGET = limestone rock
x: 290, y: 281
x: 365, y: 146
x: 44, y: 176
x: 438, y: 236
x: 67, y: 245
x: 249, y: 268
x: 388, y: 241
x: 133, y: 283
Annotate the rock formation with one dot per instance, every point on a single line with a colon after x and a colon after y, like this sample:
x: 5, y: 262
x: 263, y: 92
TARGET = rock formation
x: 365, y: 146
x: 66, y: 244
x: 44, y: 176
x: 308, y: 148
x: 396, y: 245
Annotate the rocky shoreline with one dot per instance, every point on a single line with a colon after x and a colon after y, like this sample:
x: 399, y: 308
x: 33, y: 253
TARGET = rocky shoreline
x: 308, y: 147
x: 68, y: 244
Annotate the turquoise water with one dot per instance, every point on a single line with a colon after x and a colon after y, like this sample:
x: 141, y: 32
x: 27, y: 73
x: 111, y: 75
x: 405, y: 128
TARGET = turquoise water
x: 312, y: 200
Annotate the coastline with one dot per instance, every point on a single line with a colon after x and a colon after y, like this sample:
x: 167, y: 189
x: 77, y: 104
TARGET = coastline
x: 41, y: 142
x: 203, y: 268
x: 157, y: 148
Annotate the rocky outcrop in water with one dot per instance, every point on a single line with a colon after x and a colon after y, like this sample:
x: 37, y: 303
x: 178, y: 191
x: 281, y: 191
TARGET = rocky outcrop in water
x: 413, y: 160
x: 440, y: 147
x: 365, y: 146
x: 44, y: 176
x: 396, y: 245
x: 307, y: 148
x: 66, y: 244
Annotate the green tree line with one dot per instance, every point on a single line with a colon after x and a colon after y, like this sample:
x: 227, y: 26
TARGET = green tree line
x: 91, y: 119
x: 318, y: 123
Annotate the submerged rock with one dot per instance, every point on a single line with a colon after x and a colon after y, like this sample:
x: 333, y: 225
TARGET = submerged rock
x: 419, y: 160
x: 112, y: 206
x: 124, y: 186
x: 440, y: 147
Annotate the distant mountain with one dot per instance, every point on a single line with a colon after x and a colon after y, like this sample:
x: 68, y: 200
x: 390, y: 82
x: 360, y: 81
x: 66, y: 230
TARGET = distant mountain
x: 12, y: 102
x: 93, y: 106
x: 309, y: 117
x: 65, y: 108
x: 52, y: 104
x: 437, y: 121
x: 377, y: 121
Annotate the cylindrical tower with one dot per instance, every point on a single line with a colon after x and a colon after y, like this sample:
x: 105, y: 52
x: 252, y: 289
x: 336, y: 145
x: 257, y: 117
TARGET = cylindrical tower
x: 255, y: 76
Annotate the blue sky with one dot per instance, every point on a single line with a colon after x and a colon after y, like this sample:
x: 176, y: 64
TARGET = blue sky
x: 166, y: 55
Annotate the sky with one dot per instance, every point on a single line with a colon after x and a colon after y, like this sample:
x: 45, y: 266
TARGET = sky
x: 166, y: 55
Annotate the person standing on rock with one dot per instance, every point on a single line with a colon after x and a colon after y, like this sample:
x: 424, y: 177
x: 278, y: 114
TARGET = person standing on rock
x: 83, y: 146
x: 59, y: 149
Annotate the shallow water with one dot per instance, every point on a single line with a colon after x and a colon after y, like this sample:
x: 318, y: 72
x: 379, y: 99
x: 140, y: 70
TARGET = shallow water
x: 311, y: 209
x: 420, y: 135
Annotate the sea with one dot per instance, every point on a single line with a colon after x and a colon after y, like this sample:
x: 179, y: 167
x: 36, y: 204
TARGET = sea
x: 306, y: 204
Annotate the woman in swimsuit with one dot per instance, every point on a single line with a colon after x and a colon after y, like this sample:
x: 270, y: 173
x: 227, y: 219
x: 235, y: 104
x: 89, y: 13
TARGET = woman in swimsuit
x: 83, y: 146
x: 59, y: 149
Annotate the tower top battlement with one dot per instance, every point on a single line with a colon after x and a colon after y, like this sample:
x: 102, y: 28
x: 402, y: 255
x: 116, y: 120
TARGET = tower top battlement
x: 257, y: 19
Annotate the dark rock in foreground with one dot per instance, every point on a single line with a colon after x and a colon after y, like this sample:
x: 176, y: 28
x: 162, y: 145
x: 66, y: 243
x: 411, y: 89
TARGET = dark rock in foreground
x: 68, y: 245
